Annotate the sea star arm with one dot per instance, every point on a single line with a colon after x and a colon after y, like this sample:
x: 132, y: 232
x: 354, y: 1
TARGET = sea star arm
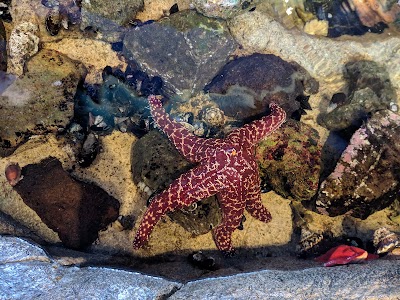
x: 232, y: 207
x: 199, y: 183
x: 253, y: 132
x: 253, y: 199
x: 189, y: 145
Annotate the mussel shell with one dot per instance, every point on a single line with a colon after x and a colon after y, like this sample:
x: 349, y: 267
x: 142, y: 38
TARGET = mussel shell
x: 53, y: 21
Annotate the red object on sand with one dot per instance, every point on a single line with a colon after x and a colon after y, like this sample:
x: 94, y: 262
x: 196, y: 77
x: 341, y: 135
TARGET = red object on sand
x: 344, y: 254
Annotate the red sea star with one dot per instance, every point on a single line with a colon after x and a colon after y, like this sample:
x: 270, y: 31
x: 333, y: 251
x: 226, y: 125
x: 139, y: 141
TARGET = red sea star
x: 226, y: 168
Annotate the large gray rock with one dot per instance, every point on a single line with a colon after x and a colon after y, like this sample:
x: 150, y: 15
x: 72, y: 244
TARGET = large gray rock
x: 375, y: 280
x: 27, y: 273
x: 185, y: 50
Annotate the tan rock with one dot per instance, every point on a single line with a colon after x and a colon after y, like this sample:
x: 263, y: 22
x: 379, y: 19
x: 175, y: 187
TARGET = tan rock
x: 94, y: 54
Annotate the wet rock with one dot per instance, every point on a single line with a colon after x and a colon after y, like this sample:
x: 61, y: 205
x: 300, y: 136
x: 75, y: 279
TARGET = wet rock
x: 370, y: 90
x: 28, y: 110
x: 260, y: 32
x: 155, y: 165
x: 74, y: 209
x: 9, y: 226
x: 120, y: 12
x: 5, y: 10
x: 289, y: 160
x: 113, y: 104
x: 245, y: 87
x: 223, y: 9
x: 186, y: 49
x: 27, y: 272
x: 366, y: 178
x: 107, y: 17
x: 3, y: 48
x: 23, y: 44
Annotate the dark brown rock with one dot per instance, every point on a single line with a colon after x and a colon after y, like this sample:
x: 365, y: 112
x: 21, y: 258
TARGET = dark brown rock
x: 367, y: 177
x: 75, y: 210
x: 3, y: 48
x: 156, y: 164
x: 245, y: 86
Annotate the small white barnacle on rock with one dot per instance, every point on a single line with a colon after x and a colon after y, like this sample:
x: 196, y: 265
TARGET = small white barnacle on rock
x: 393, y: 107
x: 213, y: 116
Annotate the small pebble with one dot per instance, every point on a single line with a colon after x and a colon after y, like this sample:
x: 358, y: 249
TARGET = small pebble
x: 13, y: 173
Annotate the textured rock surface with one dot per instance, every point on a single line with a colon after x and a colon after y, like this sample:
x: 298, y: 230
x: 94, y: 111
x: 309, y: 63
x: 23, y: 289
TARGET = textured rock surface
x: 75, y: 210
x: 27, y: 110
x: 26, y: 272
x: 290, y: 159
x: 366, y: 178
x: 378, y: 279
x: 23, y: 43
x: 223, y: 9
x: 3, y: 48
x: 119, y: 11
x: 322, y: 58
x: 245, y: 86
x: 369, y: 90
x: 106, y: 17
x: 94, y: 54
x: 186, y: 50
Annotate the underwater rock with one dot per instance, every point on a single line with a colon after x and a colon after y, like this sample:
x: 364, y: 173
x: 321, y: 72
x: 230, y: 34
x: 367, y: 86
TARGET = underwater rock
x: 107, y: 17
x: 186, y: 50
x: 367, y: 176
x: 322, y: 58
x: 41, y: 101
x: 120, y: 12
x: 223, y: 9
x: 113, y: 104
x: 3, y: 48
x: 75, y: 210
x: 289, y: 160
x: 155, y: 165
x: 23, y: 44
x: 370, y: 90
x: 245, y: 86
x: 372, y: 12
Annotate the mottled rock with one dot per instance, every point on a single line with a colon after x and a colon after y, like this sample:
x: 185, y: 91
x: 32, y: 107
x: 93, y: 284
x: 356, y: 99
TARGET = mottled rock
x: 366, y: 178
x: 369, y: 90
x: 245, y: 86
x: 120, y: 11
x: 155, y: 165
x: 290, y: 159
x: 186, y: 50
x: 223, y: 9
x: 108, y: 17
x: 257, y: 31
x: 377, y: 279
x: 27, y: 272
x: 40, y: 101
x: 74, y: 209
x: 23, y: 43
x: 3, y: 48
